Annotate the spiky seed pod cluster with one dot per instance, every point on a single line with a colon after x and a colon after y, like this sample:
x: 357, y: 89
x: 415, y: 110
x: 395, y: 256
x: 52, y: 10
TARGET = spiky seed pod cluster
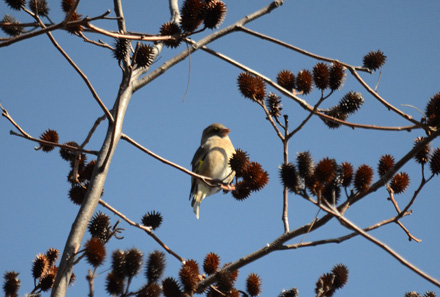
x: 386, y: 162
x: 400, y: 183
x: 171, y: 29
x: 351, y: 102
x: 39, y: 7
x: 306, y: 167
x: 192, y: 15
x: 412, y: 294
x: 86, y: 173
x: 171, y: 288
x: 214, y: 12
x: 11, y: 283
x: 253, y: 285
x: 152, y: 219
x: 114, y: 284
x: 52, y: 255
x: 122, y: 48
x: 15, y: 4
x: 328, y: 283
x: 374, y: 60
x: 99, y: 227
x: 238, y: 162
x: 422, y: 156
x: 304, y: 81
x: 289, y: 177
x: 48, y: 279
x: 40, y: 266
x: 211, y: 263
x: 286, y: 79
x: 347, y: 176
x: 325, y: 171
x: 336, y: 113
x: 363, y: 178
x: 434, y: 162
x: 11, y: 30
x: 126, y: 263
x: 189, y: 276
x: 289, y: 293
x: 433, y: 111
x: 51, y: 136
x: 77, y: 194
x: 144, y: 55
x: 336, y: 76
x: 149, y: 290
x: 67, y: 5
x: 321, y: 75
x: 74, y: 28
x: 273, y: 103
x: 155, y: 266
x: 251, y: 86
x: 95, y: 252
x: 66, y: 154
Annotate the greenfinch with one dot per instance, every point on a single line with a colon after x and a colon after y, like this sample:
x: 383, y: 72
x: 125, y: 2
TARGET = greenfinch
x: 212, y: 160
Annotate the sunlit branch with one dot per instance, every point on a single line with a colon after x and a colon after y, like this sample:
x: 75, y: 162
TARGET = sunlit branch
x: 144, y: 228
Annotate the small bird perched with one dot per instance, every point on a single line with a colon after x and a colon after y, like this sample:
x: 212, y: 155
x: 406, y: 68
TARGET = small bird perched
x: 211, y: 160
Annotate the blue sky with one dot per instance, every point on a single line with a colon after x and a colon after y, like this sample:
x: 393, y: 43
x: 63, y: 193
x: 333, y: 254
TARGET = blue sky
x: 41, y: 91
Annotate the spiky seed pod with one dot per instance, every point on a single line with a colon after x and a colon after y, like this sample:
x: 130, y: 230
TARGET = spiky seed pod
x: 351, y: 102
x: 412, y: 294
x: 363, y: 178
x: 321, y: 75
x: 81, y: 159
x: 171, y: 29
x: 144, y: 55
x: 253, y: 284
x: 374, y: 60
x: 239, y: 162
x: 325, y: 170
x: 15, y: 4
x: 39, y: 7
x: 304, y: 81
x: 433, y: 110
x: 67, y: 5
x: 121, y: 49
x: 434, y: 162
x: 12, y: 30
x: 152, y: 219
x: 86, y: 173
x: 11, y: 283
x: 386, y: 162
x: 77, y: 194
x: 171, y: 288
x: 74, y: 28
x: 422, y: 156
x: 306, y: 165
x: 252, y: 87
x: 289, y: 293
x: 334, y: 112
x: 114, y: 284
x: 336, y: 76
x: 52, y: 255
x: 133, y: 262
x: 40, y: 266
x: 400, y: 182
x: 324, y: 285
x: 48, y: 135
x: 340, y: 271
x: 289, y: 177
x: 214, y: 12
x: 225, y: 282
x: 189, y: 276
x: 255, y: 176
x: 66, y: 154
x: 347, y: 176
x: 331, y: 193
x: 48, y: 279
x: 95, y: 252
x: 99, y: 226
x: 192, y: 15
x: 118, y: 263
x: 273, y: 104
x: 155, y: 266
x: 242, y: 191
x: 211, y: 263
x: 429, y: 294
x: 149, y: 290
x: 286, y: 79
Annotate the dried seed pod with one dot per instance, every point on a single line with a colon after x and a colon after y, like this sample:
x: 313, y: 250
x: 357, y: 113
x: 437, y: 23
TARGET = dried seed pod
x: 286, y: 79
x: 171, y: 288
x: 336, y: 76
x: 253, y: 284
x: 99, y: 226
x: 155, y: 266
x: 434, y: 162
x: 238, y: 162
x: 304, y: 81
x: 144, y: 55
x: 273, y: 104
x: 133, y: 262
x: 51, y: 136
x: 347, y: 176
x: 15, y: 4
x: 149, y: 290
x: 39, y: 7
x: 255, y: 176
x: 363, y: 178
x: 52, y: 255
x: 433, y: 111
x: 374, y: 60
x: 171, y: 29
x: 114, y: 284
x: 214, y: 13
x: 400, y: 183
x: 321, y: 75
x: 40, y: 266
x: 289, y: 293
x: 189, y: 276
x: 192, y: 15
x: 242, y: 191
x: 11, y: 30
x: 422, y: 156
x: 351, y: 102
x: 289, y: 177
x: 252, y: 87
x: 121, y: 49
x: 340, y: 272
x: 152, y: 219
x: 211, y: 263
x: 335, y: 112
x: 325, y: 170
x: 386, y: 162
x: 11, y: 283
x: 77, y: 194
x: 95, y: 251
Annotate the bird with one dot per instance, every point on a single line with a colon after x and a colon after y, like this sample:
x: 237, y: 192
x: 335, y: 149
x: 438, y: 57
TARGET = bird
x: 212, y: 160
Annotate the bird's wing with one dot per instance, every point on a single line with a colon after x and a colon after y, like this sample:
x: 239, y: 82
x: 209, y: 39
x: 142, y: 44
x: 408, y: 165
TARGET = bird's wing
x: 196, y: 163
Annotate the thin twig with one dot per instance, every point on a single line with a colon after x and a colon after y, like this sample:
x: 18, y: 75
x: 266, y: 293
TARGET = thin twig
x: 144, y: 228
x: 410, y: 236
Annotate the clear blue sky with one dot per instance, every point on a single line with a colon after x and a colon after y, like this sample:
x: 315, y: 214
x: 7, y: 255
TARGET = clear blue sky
x: 41, y: 91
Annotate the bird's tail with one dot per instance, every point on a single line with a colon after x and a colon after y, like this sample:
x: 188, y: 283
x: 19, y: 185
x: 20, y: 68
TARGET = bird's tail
x: 196, y: 201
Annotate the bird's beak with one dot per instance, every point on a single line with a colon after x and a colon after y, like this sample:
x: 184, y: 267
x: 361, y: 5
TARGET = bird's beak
x: 224, y: 132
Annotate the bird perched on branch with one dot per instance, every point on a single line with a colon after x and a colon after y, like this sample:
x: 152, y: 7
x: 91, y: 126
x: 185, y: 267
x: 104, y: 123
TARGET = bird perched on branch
x: 211, y: 160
